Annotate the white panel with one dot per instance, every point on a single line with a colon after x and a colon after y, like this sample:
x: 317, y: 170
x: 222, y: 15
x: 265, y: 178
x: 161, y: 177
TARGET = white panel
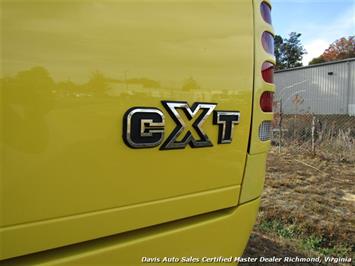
x: 321, y: 89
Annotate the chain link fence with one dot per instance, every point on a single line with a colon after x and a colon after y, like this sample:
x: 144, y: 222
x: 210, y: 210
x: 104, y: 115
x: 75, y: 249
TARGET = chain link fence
x: 329, y: 136
x: 315, y: 110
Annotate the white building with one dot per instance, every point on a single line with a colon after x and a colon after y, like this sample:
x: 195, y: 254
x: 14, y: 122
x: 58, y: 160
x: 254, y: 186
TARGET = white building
x: 327, y: 88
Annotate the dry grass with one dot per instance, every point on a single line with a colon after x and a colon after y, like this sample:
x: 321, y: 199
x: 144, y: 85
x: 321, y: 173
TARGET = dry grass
x: 333, y: 135
x: 307, y: 204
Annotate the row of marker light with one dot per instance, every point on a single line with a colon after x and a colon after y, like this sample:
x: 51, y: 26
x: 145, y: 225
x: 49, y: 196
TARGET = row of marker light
x: 267, y: 71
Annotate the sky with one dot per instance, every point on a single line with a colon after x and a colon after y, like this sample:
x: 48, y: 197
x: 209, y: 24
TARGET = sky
x: 321, y: 22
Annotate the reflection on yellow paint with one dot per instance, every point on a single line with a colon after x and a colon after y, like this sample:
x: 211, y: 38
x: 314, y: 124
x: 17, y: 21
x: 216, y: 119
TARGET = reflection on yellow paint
x: 27, y: 98
x: 69, y: 72
x: 71, y: 69
x: 167, y: 41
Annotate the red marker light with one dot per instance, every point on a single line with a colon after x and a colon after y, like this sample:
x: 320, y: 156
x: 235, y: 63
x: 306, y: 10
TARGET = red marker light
x: 265, y: 10
x: 267, y: 71
x: 268, y: 42
x: 266, y: 100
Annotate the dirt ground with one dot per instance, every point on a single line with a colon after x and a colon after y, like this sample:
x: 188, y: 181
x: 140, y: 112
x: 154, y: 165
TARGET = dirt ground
x: 307, y: 208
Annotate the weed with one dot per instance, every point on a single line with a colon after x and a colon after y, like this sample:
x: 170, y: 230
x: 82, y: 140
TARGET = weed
x: 289, y: 231
x: 311, y: 242
x: 306, y: 243
x: 316, y: 244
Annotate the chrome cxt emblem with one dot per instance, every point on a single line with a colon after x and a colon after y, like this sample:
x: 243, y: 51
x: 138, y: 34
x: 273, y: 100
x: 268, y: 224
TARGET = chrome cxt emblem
x: 145, y: 127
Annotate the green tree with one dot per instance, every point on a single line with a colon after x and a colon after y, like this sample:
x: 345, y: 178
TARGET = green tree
x: 278, y: 51
x: 289, y: 51
x: 317, y: 60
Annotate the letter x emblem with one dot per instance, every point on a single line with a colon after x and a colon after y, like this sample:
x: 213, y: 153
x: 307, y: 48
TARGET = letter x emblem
x: 172, y: 107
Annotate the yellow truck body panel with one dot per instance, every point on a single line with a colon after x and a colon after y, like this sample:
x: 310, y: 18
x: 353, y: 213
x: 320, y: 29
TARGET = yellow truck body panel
x: 215, y: 238
x: 70, y: 71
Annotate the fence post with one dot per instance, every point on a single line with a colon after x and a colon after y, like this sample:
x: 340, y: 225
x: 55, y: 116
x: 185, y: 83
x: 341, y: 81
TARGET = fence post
x: 313, y: 130
x: 280, y: 126
x: 348, y: 88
